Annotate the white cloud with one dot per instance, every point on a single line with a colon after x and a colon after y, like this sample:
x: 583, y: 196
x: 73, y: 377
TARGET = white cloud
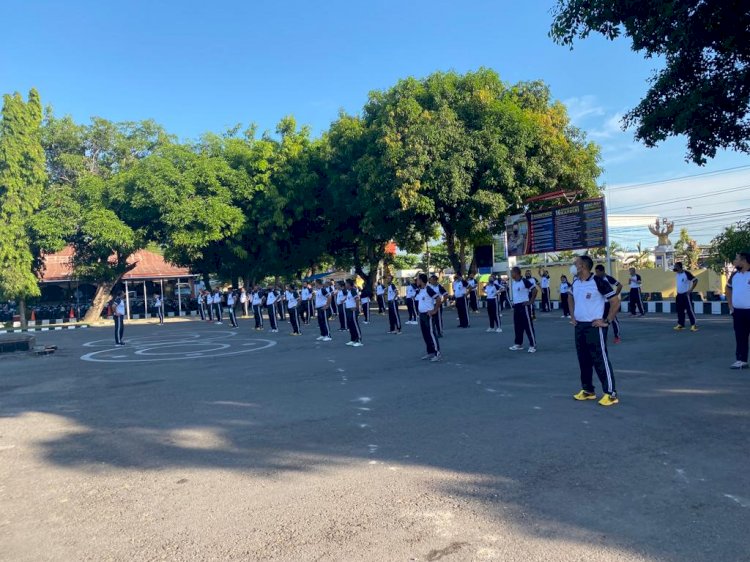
x: 579, y: 108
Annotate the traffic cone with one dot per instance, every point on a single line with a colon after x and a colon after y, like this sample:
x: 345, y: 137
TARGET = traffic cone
x: 33, y: 315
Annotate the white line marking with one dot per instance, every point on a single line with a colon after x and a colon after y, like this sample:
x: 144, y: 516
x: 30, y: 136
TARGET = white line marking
x: 736, y: 499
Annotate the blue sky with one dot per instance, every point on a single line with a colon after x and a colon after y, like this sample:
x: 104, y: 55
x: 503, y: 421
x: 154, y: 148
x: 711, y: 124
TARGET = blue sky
x: 202, y: 66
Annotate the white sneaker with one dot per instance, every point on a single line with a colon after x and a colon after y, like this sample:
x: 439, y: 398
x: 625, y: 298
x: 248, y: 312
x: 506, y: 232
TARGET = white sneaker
x: 350, y: 343
x: 738, y: 365
x: 516, y: 347
x: 488, y: 330
x: 437, y: 358
x: 327, y: 339
x: 428, y: 356
x: 319, y: 338
x: 499, y: 331
x: 532, y: 350
x: 563, y: 316
x: 365, y: 322
x: 275, y: 331
x: 358, y: 344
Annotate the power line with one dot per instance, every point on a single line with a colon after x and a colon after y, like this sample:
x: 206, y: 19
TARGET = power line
x: 628, y: 187
x: 680, y: 200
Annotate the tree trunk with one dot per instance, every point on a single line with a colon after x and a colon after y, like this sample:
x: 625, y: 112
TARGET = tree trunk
x: 22, y: 312
x: 101, y: 297
x: 473, y: 266
x: 462, y: 254
x: 450, y: 246
x: 207, y: 281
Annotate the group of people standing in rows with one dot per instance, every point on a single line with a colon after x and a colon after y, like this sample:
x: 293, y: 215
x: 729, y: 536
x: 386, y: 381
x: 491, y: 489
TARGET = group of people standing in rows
x: 591, y: 300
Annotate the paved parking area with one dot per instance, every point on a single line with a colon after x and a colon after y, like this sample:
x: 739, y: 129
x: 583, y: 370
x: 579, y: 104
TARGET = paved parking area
x: 199, y: 442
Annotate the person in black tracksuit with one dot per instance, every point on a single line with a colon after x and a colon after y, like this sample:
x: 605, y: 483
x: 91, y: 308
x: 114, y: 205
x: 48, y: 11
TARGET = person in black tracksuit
x: 634, y: 300
x: 257, y: 302
x: 589, y: 294
x: 460, y: 288
x: 270, y: 300
x: 523, y: 293
x: 491, y: 292
x: 437, y: 319
x: 471, y: 287
x: 617, y: 286
x: 428, y: 304
x: 686, y: 283
x: 544, y: 284
x: 159, y: 307
x: 292, y: 305
x: 564, y: 293
x: 351, y: 308
x: 411, y: 292
x: 231, y: 301
x: 340, y: 305
x: 738, y: 299
x: 380, y: 293
x: 365, y: 298
x: 394, y: 318
x: 323, y: 295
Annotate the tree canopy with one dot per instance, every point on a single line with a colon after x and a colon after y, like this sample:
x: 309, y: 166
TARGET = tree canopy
x: 703, y: 89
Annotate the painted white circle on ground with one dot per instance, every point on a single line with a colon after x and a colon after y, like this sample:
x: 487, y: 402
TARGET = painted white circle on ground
x: 142, y: 349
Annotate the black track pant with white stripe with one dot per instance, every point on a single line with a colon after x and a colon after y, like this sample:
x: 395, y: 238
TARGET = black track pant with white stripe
x: 232, y: 317
x: 160, y: 314
x: 271, y: 309
x: 473, y: 301
x: 219, y: 313
x: 258, y: 314
x: 366, y: 311
x: 394, y: 317
x: 615, y: 323
x: 741, y: 320
x: 591, y: 347
x: 564, y: 304
x: 492, y: 312
x: 381, y: 304
x: 119, y: 328
x: 341, y: 311
x: 303, y: 312
x: 685, y: 304
x: 294, y: 320
x: 411, y: 309
x: 429, y: 332
x: 523, y: 324
x: 546, y: 304
x: 352, y: 320
x: 280, y: 309
x: 635, y: 301
x: 202, y: 311
x: 463, y: 312
x: 325, y: 329
x: 210, y: 308
x: 437, y: 321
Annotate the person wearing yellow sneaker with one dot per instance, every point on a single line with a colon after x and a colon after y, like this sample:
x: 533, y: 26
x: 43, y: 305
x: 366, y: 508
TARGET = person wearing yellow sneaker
x: 587, y: 298
x: 686, y: 283
x: 738, y: 299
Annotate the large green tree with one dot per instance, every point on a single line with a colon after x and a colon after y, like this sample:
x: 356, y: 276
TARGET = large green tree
x: 463, y: 151
x: 725, y: 246
x: 22, y: 181
x: 703, y: 89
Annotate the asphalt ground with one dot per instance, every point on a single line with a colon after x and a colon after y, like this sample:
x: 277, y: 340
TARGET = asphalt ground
x: 199, y: 442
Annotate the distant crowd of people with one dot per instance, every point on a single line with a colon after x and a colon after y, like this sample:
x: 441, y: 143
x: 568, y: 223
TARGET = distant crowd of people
x: 590, y: 299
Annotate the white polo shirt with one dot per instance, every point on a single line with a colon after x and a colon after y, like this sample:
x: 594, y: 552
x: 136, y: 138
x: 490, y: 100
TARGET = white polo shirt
x: 379, y: 290
x: 458, y: 288
x: 739, y: 282
x: 490, y: 291
x: 590, y: 296
x: 230, y: 300
x: 291, y: 298
x: 684, y: 282
x: 257, y: 298
x: 411, y: 292
x: 340, y: 296
x: 426, y: 299
x: 545, y: 282
x: 392, y: 292
x: 271, y: 297
x: 351, y: 298
x: 521, y: 290
x: 564, y: 288
x: 635, y: 281
x: 321, y: 297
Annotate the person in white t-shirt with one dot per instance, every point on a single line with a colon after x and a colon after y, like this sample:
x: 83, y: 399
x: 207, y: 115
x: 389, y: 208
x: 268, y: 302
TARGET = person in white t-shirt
x: 564, y: 290
x: 685, y: 283
x: 118, y: 314
x: 738, y: 299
